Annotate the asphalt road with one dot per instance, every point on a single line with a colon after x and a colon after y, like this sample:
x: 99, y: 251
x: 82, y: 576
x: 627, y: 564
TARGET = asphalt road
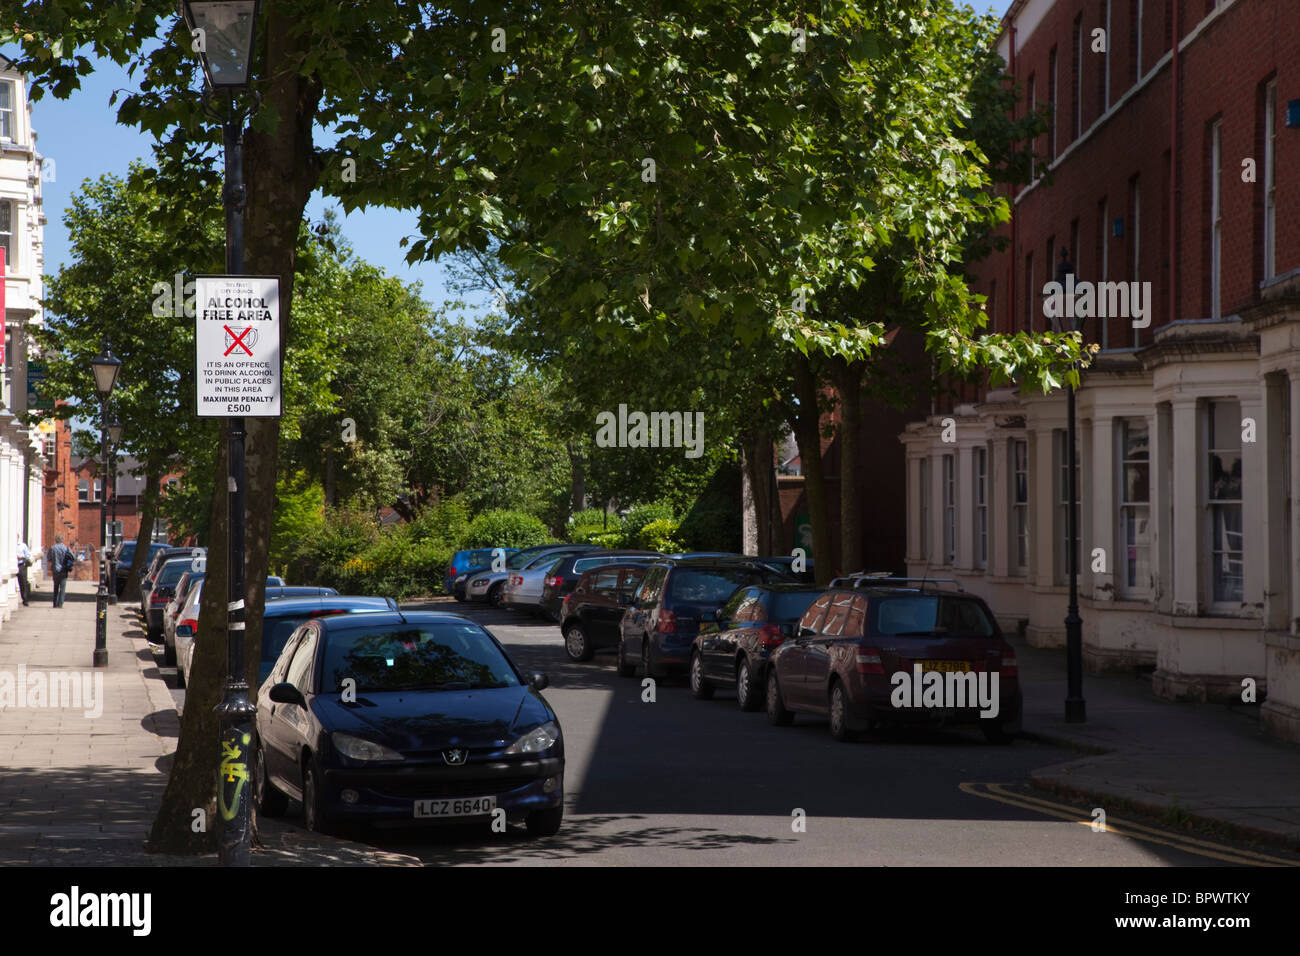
x: 680, y: 782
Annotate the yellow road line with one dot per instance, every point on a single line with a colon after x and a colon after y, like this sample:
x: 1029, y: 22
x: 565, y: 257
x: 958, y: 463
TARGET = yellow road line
x: 1135, y: 831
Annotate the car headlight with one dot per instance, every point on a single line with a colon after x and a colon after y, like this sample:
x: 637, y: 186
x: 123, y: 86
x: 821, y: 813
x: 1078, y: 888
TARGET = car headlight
x: 358, y: 748
x: 540, y: 738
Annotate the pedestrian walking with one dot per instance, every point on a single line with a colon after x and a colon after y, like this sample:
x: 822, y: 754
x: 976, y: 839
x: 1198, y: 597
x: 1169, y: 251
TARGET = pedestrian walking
x: 24, y: 562
x: 62, y: 561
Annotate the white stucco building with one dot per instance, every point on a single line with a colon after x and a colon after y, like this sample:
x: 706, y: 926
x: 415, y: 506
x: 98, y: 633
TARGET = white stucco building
x: 22, y: 223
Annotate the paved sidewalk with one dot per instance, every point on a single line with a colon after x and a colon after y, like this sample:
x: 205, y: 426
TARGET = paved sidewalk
x: 80, y: 784
x: 1207, y: 763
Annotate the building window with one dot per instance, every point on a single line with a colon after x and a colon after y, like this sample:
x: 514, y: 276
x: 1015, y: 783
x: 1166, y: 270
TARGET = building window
x: 98, y: 490
x: 1135, y: 231
x: 925, y: 508
x: 981, y: 463
x: 83, y: 490
x: 1032, y: 304
x: 1031, y: 109
x: 114, y: 533
x: 1270, y: 199
x: 1078, y: 76
x: 1225, y: 538
x: 1216, y: 217
x: 7, y: 233
x: 159, y: 530
x: 1051, y: 96
x: 1020, y: 502
x: 1134, y: 507
x: 1137, y: 39
x: 1103, y: 259
x: 1105, y: 63
x: 949, y: 511
x: 1061, y: 447
x: 7, y: 115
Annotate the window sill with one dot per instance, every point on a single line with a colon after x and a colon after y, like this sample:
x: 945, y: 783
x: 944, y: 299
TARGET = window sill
x: 1210, y: 619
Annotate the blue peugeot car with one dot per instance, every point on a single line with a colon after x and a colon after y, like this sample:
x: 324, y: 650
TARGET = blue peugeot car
x: 406, y: 717
x: 466, y: 563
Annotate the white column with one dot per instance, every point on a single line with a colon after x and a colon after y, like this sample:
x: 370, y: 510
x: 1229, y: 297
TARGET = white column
x: 965, y: 478
x: 1042, y: 509
x: 1254, y: 504
x: 1000, y: 495
x: 1294, y: 530
x: 8, y: 568
x: 1161, y: 486
x: 1101, y: 520
x: 1186, y: 544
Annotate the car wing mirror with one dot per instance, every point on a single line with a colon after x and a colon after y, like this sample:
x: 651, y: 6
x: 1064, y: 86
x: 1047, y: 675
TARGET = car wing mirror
x: 286, y: 693
x: 540, y: 681
x: 806, y: 632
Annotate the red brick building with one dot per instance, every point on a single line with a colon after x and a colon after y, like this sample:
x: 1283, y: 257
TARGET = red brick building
x: 1172, y: 171
x: 75, y: 500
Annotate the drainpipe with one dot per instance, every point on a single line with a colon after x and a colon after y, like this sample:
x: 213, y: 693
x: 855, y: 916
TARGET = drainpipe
x: 1013, y: 293
x: 1175, y: 193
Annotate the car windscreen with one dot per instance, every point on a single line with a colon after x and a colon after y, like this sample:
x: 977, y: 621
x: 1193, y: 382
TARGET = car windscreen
x: 435, y: 656
x: 275, y: 632
x: 479, y: 559
x: 928, y: 616
x: 171, y: 573
x: 519, y: 559
x: 790, y: 605
x: 709, y: 585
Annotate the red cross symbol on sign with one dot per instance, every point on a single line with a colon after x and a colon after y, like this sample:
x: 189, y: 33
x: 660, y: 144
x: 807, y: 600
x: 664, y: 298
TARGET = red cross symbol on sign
x: 239, y: 339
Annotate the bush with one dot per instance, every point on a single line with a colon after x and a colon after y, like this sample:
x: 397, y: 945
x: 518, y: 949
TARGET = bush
x: 660, y: 535
x: 642, y: 515
x: 447, y: 522
x: 505, y: 529
x: 609, y: 539
x: 592, y: 516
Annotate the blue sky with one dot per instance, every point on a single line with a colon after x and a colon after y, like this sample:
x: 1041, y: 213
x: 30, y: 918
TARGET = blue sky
x: 81, y: 135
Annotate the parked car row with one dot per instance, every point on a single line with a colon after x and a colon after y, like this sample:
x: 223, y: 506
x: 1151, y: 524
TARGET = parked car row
x: 849, y: 653
x: 368, y: 714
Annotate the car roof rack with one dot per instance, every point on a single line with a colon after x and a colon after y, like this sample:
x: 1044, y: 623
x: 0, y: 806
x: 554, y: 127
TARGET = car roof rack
x: 874, y: 579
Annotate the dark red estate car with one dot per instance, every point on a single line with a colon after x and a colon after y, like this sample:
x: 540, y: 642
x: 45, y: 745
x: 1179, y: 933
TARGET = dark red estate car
x: 590, y: 613
x: 889, y: 654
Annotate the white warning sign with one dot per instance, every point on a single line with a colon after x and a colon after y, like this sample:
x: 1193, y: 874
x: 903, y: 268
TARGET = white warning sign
x: 237, y: 346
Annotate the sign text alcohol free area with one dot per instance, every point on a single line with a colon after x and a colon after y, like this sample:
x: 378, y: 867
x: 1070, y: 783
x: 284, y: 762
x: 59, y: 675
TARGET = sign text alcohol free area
x: 237, y: 346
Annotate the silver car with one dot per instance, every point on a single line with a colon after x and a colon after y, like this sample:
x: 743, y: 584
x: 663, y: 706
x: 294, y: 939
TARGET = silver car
x: 523, y: 589
x: 490, y: 585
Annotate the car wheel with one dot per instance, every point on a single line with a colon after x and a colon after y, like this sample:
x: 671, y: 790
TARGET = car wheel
x: 995, y: 732
x: 496, y: 598
x: 575, y: 643
x: 777, y: 715
x: 545, y: 823
x: 313, y: 801
x: 701, y: 689
x: 460, y: 598
x: 749, y: 693
x: 169, y: 654
x: 268, y: 801
x: 645, y: 659
x: 839, y: 712
x: 625, y: 669
x: 180, y: 675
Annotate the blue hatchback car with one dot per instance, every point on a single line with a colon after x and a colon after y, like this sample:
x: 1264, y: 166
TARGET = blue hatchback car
x: 465, y: 563
x: 402, y: 718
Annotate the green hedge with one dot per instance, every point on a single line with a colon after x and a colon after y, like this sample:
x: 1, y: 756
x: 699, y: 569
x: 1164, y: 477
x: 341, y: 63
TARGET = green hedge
x: 505, y: 529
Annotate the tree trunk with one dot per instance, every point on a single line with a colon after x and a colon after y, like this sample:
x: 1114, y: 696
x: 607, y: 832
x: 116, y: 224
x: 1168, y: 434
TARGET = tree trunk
x: 848, y: 382
x: 806, y: 423
x: 143, y: 536
x: 192, y: 784
x: 578, y: 493
x: 280, y: 169
x: 762, y: 484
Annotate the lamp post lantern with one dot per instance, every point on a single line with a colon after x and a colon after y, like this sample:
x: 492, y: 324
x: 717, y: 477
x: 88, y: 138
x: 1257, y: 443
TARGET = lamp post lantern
x: 224, y: 35
x: 105, y: 366
x: 1075, y: 706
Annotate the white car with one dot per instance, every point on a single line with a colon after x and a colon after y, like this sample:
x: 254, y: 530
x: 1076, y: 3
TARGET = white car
x: 187, y: 623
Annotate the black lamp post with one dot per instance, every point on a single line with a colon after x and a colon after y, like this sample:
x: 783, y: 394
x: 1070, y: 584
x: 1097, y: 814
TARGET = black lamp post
x: 226, y: 55
x: 115, y: 439
x: 105, y: 366
x: 1075, y: 706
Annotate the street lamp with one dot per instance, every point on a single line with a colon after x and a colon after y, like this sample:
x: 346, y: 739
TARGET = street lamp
x: 105, y: 366
x: 228, y: 32
x: 1075, y: 706
x: 115, y: 437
